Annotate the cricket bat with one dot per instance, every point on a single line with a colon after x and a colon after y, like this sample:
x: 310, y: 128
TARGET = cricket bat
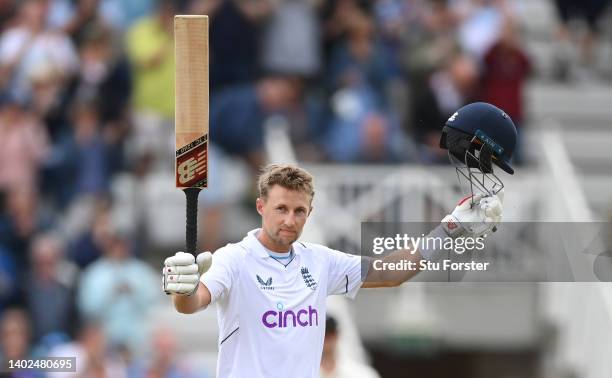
x: 191, y: 114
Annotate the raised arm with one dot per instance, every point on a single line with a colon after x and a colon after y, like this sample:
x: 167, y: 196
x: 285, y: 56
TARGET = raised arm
x: 475, y: 217
x: 188, y: 304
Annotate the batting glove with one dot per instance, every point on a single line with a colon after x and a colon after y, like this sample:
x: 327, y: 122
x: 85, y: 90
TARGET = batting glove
x: 476, y: 216
x: 181, y: 272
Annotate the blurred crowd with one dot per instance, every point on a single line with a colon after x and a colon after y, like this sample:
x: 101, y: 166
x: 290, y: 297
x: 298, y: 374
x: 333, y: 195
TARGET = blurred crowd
x: 87, y: 96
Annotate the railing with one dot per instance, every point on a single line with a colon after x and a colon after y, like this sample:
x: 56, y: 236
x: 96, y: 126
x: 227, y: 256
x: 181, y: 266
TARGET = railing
x: 581, y: 313
x: 404, y: 193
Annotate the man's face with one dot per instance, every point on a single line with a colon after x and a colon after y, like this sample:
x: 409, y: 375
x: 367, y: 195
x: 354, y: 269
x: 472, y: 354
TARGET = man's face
x: 283, y: 214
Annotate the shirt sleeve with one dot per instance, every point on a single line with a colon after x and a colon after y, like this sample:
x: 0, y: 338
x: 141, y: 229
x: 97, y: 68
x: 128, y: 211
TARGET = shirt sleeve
x: 345, y: 272
x: 221, y: 276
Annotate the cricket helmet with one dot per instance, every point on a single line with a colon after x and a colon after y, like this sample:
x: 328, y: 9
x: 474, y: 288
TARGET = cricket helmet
x: 477, y: 136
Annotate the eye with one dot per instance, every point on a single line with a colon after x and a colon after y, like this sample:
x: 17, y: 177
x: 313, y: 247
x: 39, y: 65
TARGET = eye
x: 281, y: 209
x: 300, y: 211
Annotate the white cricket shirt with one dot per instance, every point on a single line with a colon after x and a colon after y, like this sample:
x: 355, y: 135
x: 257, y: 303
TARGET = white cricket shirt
x: 271, y: 316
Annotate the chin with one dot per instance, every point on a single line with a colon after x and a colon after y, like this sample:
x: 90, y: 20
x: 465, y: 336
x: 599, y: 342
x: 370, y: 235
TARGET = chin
x: 286, y: 240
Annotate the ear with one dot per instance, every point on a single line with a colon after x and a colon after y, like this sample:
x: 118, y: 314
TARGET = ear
x: 259, y: 205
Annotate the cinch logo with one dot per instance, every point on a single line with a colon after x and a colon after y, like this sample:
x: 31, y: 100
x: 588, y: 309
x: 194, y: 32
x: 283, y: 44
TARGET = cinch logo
x: 265, y: 285
x: 283, y: 319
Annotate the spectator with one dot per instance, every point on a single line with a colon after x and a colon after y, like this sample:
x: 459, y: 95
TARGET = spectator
x: 9, y: 292
x: 7, y: 13
x: 122, y: 14
x: 24, y: 219
x: 235, y: 32
x: 50, y: 100
x: 446, y: 90
x: 23, y: 146
x: 50, y: 288
x: 392, y: 17
x: 105, y: 76
x: 163, y: 361
x: 15, y: 341
x: 92, y: 355
x: 150, y: 47
x: 430, y: 39
x: 360, y: 60
x: 480, y: 25
x: 506, y: 69
x: 237, y: 114
x: 105, y: 82
x: 83, y: 16
x: 77, y: 16
x: 92, y: 174
x: 88, y: 245
x: 118, y: 290
x: 362, y: 128
x: 337, y: 17
x: 332, y: 364
x: 28, y: 45
x: 291, y: 39
x: 81, y: 158
x: 361, y: 131
x: 590, y: 11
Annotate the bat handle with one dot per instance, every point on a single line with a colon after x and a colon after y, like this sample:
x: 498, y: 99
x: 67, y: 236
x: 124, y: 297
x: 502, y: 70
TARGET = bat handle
x: 191, y: 234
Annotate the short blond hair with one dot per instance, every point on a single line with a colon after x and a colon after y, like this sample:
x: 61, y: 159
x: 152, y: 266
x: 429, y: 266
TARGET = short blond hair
x: 286, y: 175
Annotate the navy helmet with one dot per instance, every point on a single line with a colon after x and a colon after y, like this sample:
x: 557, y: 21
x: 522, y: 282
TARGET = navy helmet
x: 479, y: 134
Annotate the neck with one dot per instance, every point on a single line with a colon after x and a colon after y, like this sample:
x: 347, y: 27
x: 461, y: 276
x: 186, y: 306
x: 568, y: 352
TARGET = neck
x: 267, y: 242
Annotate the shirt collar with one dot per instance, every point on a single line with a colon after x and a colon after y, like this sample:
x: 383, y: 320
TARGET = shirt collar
x: 251, y: 242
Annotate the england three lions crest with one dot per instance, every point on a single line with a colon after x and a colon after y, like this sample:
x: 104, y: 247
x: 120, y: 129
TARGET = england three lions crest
x: 308, y: 280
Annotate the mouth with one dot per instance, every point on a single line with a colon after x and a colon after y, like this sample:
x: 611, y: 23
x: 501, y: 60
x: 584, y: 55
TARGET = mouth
x: 288, y: 232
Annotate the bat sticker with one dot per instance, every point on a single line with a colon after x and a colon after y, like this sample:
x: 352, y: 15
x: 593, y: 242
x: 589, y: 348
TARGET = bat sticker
x: 191, y: 162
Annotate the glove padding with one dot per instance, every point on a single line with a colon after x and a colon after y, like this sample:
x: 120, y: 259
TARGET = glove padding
x: 476, y: 217
x: 181, y: 272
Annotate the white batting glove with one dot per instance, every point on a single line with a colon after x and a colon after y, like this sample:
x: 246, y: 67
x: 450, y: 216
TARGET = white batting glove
x: 181, y: 272
x: 476, y: 217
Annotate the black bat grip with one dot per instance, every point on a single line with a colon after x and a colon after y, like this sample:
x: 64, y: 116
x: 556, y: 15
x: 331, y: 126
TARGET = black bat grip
x: 191, y: 234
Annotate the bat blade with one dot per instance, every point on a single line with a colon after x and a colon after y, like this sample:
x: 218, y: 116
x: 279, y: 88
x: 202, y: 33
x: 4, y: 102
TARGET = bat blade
x: 191, y: 101
x: 191, y: 114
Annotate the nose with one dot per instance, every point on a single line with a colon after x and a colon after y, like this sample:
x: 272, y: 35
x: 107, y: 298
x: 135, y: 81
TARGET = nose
x: 290, y: 220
